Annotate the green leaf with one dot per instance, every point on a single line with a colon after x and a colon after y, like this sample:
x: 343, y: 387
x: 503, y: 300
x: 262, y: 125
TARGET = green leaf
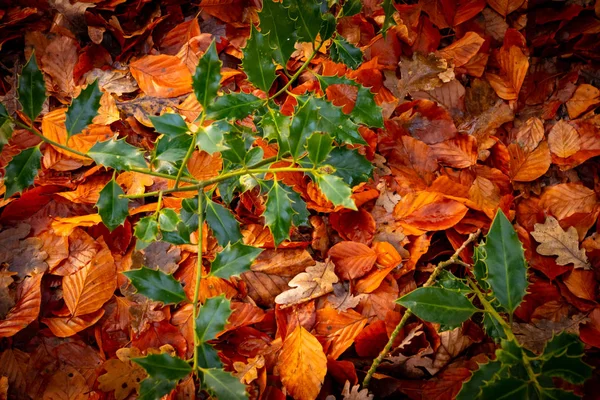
x: 563, y: 343
x: 257, y: 62
x: 571, y: 369
x: 301, y: 214
x: 117, y: 154
x: 236, y: 148
x: 222, y: 385
x: 222, y: 222
x: 333, y: 120
x: 207, y: 78
x: 306, y: 14
x: 350, y: 165
x: 180, y: 235
x: 479, y: 267
x: 233, y: 260
x: 472, y: 388
x: 168, y: 220
x: 558, y: 394
x: 6, y: 131
x: 210, y: 138
x: 156, y: 285
x: 439, y: 305
x: 493, y: 328
x: 280, y: 30
x: 510, y: 353
x: 212, y: 318
x: 83, y: 109
x: 233, y: 106
x: 506, y: 265
x: 32, y: 89
x: 276, y: 126
x: 365, y: 110
x: 112, y: 208
x: 172, y: 149
x: 327, y: 26
x: 304, y: 123
x: 389, y: 10
x: 506, y: 389
x: 164, y: 366
x: 448, y: 280
x: 146, y: 229
x: 155, y: 389
x: 345, y: 52
x: 318, y: 146
x: 336, y: 191
x: 352, y: 7
x: 278, y: 212
x: 169, y: 124
x: 208, y: 357
x: 22, y: 170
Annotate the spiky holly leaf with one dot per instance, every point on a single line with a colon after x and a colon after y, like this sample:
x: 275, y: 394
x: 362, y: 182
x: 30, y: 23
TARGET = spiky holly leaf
x: 343, y: 51
x: 168, y: 220
x: 279, y: 212
x: 307, y: 16
x: 113, y: 208
x: 208, y: 356
x: 22, y: 170
x: 471, y: 389
x: 32, y: 89
x: 327, y: 26
x: 233, y: 260
x: 508, y: 389
x: 389, y: 10
x: 180, y: 235
x: 117, y: 154
x: 155, y: 389
x: 336, y: 191
x: 222, y: 222
x: 570, y: 368
x: 233, y: 106
x: 164, y: 366
x: 280, y: 30
x: 301, y: 214
x: 350, y: 165
x: 257, y: 62
x: 438, y: 305
x: 210, y: 138
x: 222, y: 385
x: 318, y: 146
x: 505, y: 261
x: 146, y: 229
x: 276, y: 126
x: 304, y: 123
x: 6, y: 127
x: 212, y: 318
x: 333, y: 120
x: 83, y: 109
x: 156, y: 285
x: 352, y: 7
x: 169, y: 124
x: 171, y: 150
x: 207, y: 78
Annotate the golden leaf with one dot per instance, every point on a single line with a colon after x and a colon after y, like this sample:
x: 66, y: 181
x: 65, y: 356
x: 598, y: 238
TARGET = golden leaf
x: 162, y: 76
x: 555, y: 241
x: 315, y: 282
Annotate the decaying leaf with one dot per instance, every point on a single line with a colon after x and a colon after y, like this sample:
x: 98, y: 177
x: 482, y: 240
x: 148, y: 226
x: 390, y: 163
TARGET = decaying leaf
x: 122, y: 375
x: 535, y: 335
x: 313, y: 283
x: 555, y: 241
x: 248, y: 372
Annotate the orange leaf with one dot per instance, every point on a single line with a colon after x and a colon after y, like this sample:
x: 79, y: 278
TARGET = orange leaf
x: 584, y: 99
x: 302, y: 364
x: 505, y: 7
x: 66, y: 226
x: 563, y: 140
x: 68, y: 384
x: 69, y: 326
x: 428, y: 211
x: 566, y: 199
x: 513, y: 68
x: 582, y: 283
x: 340, y: 329
x: 528, y: 166
x: 387, y: 255
x: 202, y: 166
x: 530, y: 134
x: 461, y: 51
x: 162, y: 76
x: 460, y: 152
x: 352, y: 259
x: 27, y: 308
x: 87, y: 290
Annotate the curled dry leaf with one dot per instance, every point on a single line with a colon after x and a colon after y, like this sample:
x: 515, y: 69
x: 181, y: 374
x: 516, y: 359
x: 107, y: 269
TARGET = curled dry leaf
x: 555, y: 241
x: 535, y: 335
x: 26, y: 309
x: 315, y: 282
x: 302, y: 364
x: 513, y: 68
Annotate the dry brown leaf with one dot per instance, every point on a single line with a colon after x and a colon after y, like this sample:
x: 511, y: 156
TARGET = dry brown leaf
x: 513, y: 68
x: 563, y: 140
x: 535, y: 335
x: 59, y: 62
x: 67, y: 384
x: 528, y: 166
x: 555, y: 241
x: 162, y: 76
x: 462, y: 50
x: 3, y: 388
x: 452, y: 343
x: 113, y: 81
x: 66, y: 226
x: 26, y: 309
x: 248, y: 372
x: 530, y: 134
x: 505, y: 7
x: 421, y: 73
x: 339, y: 328
x: 352, y: 259
x: 356, y: 393
x: 13, y: 365
x: 566, y: 199
x: 459, y: 152
x: 302, y: 364
x: 315, y: 282
x: 584, y: 99
x: 283, y: 262
x: 25, y: 256
x: 122, y: 375
x: 69, y: 326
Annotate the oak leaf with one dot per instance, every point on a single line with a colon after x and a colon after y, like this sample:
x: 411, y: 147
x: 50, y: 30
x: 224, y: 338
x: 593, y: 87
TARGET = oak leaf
x: 25, y: 256
x: 162, y: 76
x: 352, y: 259
x: 534, y: 336
x: 555, y: 241
x: 421, y: 73
x: 302, y: 364
x: 563, y: 140
x: 315, y: 282
x: 248, y: 372
x: 122, y: 375
x: 355, y: 392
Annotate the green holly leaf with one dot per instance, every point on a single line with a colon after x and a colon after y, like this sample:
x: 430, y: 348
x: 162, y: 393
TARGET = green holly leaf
x: 212, y: 318
x: 210, y: 138
x: 318, y: 146
x: 172, y: 150
x: 222, y: 222
x: 438, y: 305
x: 169, y: 124
x: 352, y: 7
x: 563, y: 343
x: 168, y: 220
x: 155, y: 389
x: 493, y: 328
x: 327, y: 26
x: 208, y: 357
x: 350, y: 165
x: 301, y: 214
x: 207, y: 78
x: 276, y: 126
x: 479, y: 267
x: 233, y: 260
x: 156, y: 285
x: 336, y: 191
x: 471, y: 389
x: 307, y: 16
x: 117, y: 154
x: 83, y: 109
x: 448, y: 280
x: 510, y: 353
x: 236, y: 148
x: 279, y: 212
x: 333, y: 120
x: 571, y: 369
x: 112, y: 208
x: 222, y: 385
x: 304, y: 123
x: 257, y: 62
x: 6, y: 131
x: 279, y: 29
x: 164, y: 366
x: 557, y: 394
x: 343, y: 51
x: 233, y: 106
x: 389, y: 10
x: 22, y: 170
x: 506, y: 265
x: 180, y: 235
x: 32, y: 89
x: 146, y: 229
x: 365, y: 110
x: 507, y: 389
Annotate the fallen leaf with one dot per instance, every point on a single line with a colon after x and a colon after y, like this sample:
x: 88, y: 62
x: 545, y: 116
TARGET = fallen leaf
x: 528, y: 166
x: 428, y: 211
x: 555, y: 241
x: 535, y: 335
x: 26, y: 309
x: 563, y: 140
x: 462, y: 50
x: 25, y: 256
x: 66, y: 226
x: 585, y: 98
x: 339, y: 329
x: 248, y: 372
x: 352, y: 259
x: 162, y: 76
x: 421, y: 73
x: 122, y: 375
x: 315, y: 282
x: 505, y: 7
x: 566, y: 199
x: 513, y: 68
x: 67, y: 383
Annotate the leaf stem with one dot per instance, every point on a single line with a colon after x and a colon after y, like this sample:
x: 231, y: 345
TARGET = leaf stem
x: 49, y: 141
x: 443, y: 264
x: 198, y: 277
x: 188, y: 154
x: 161, y: 175
x: 297, y: 74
